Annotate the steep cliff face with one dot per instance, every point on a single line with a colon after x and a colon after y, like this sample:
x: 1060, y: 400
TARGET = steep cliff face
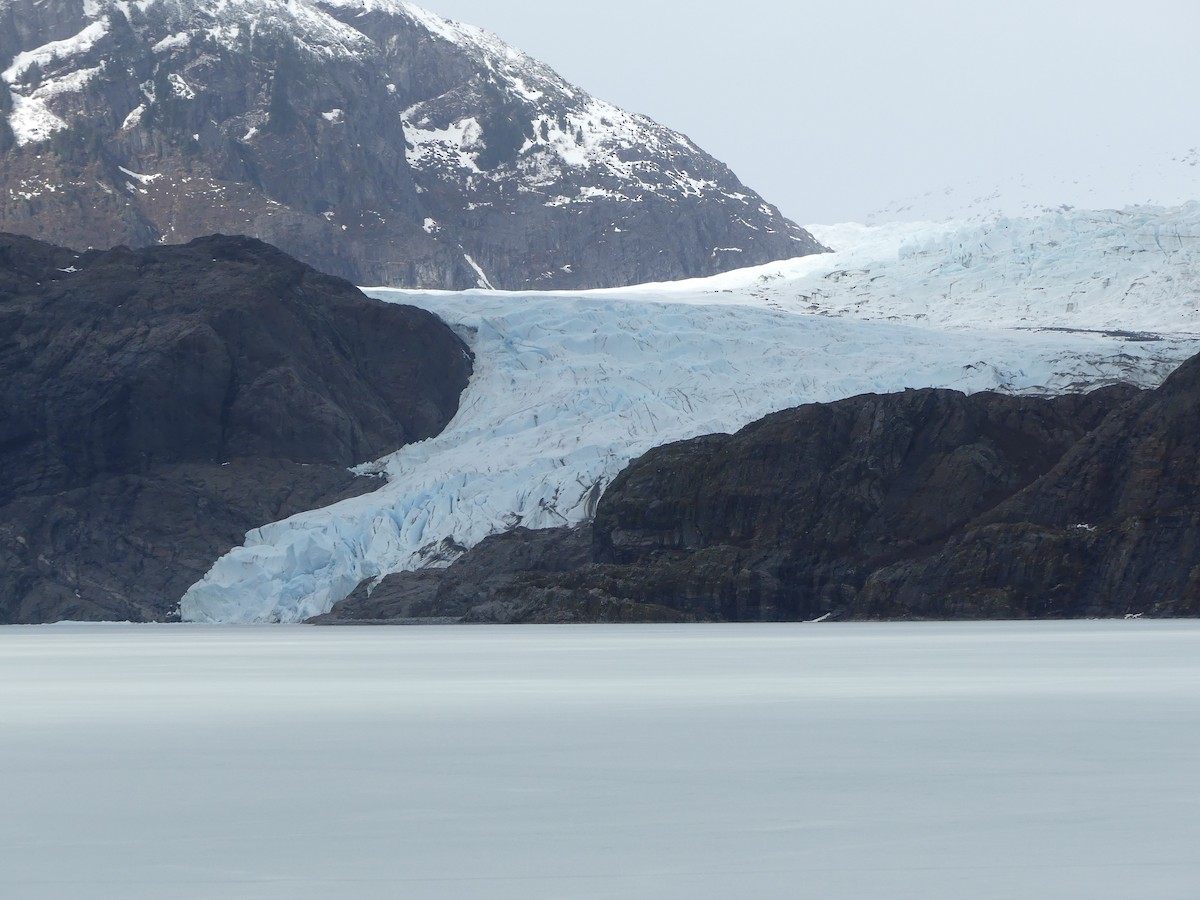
x: 1114, y: 527
x: 1067, y: 507
x: 788, y: 518
x: 370, y: 138
x: 159, y: 403
x: 925, y: 504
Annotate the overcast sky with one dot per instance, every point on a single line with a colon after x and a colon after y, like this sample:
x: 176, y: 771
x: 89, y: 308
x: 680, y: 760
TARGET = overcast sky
x: 845, y: 109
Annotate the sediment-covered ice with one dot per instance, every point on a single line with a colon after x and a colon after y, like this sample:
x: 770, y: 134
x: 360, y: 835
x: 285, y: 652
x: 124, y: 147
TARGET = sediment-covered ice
x: 569, y: 387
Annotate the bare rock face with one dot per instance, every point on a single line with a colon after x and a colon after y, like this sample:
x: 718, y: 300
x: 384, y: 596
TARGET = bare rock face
x: 127, y: 547
x: 925, y: 504
x: 788, y: 518
x: 1112, y: 529
x: 481, y: 578
x: 159, y: 403
x: 369, y: 138
x: 519, y: 576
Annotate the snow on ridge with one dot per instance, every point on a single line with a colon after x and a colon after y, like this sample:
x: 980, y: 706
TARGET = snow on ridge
x: 569, y: 387
x: 134, y: 118
x: 172, y: 42
x: 461, y: 34
x: 573, y: 130
x: 595, y: 132
x: 333, y: 38
x: 481, y: 278
x: 222, y: 20
x: 316, y: 31
x: 31, y: 119
x: 53, y: 51
x: 68, y: 83
x: 472, y: 38
x: 140, y: 178
x: 589, y: 134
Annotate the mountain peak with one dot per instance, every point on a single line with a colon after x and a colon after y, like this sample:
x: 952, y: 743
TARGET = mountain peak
x: 372, y: 138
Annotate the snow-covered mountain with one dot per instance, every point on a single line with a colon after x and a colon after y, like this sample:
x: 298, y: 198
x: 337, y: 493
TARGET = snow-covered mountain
x: 569, y: 387
x: 370, y: 138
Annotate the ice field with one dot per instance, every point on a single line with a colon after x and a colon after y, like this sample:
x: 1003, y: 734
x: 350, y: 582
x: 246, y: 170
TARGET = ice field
x: 783, y: 762
x: 569, y: 387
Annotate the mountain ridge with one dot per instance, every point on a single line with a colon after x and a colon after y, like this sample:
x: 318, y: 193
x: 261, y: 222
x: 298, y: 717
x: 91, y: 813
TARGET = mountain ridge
x: 373, y: 139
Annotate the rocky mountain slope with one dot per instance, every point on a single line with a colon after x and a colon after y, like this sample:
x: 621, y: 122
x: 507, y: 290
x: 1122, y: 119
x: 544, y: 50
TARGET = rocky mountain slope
x: 159, y: 403
x: 370, y: 138
x: 923, y: 504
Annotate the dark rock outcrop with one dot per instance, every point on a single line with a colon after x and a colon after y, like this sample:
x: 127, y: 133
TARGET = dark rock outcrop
x: 789, y: 517
x: 509, y: 578
x: 375, y: 141
x: 159, y: 403
x: 925, y: 504
x: 1113, y: 528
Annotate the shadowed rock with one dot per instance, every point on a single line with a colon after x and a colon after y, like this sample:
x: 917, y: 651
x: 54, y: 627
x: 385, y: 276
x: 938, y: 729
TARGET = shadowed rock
x: 159, y: 403
x: 509, y: 578
x: 1113, y: 528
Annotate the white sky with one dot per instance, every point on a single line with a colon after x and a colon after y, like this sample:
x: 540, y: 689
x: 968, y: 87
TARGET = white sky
x: 842, y: 110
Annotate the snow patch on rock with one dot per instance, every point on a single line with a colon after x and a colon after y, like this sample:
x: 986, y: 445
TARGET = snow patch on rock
x: 172, y: 42
x: 455, y: 145
x: 53, y: 51
x: 31, y: 120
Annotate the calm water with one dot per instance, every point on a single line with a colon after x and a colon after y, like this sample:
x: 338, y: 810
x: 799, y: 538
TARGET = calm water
x: 964, y: 761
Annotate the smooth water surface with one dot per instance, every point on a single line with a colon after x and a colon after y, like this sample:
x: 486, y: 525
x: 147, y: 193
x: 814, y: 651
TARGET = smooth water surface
x: 892, y: 761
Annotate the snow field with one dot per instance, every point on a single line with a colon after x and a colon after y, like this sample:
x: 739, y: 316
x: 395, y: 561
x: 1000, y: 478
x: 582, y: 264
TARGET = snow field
x: 1078, y: 179
x: 1136, y: 269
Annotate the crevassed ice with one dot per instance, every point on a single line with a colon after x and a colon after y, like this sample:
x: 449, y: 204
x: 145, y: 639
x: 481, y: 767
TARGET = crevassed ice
x: 569, y: 387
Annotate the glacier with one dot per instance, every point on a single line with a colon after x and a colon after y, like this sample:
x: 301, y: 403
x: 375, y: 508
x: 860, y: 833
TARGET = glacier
x: 569, y: 387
